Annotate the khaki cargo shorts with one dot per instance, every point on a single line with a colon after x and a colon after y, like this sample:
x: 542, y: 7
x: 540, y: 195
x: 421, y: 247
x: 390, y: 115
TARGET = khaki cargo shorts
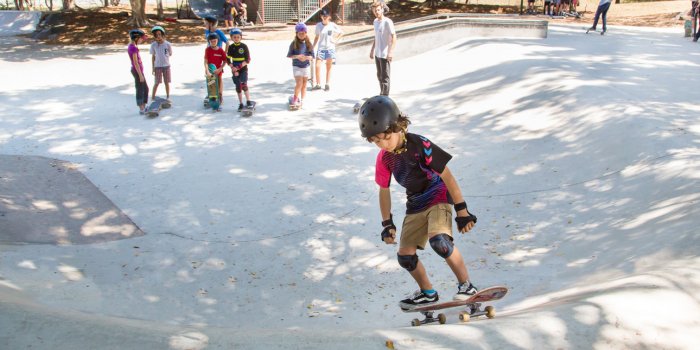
x: 436, y: 219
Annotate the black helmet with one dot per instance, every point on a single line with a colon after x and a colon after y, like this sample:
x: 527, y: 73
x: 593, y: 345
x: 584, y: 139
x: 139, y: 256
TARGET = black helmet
x: 212, y: 36
x: 136, y: 33
x: 211, y: 19
x: 377, y: 114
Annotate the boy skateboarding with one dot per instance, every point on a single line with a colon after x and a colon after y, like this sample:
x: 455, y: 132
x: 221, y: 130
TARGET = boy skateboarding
x: 421, y: 167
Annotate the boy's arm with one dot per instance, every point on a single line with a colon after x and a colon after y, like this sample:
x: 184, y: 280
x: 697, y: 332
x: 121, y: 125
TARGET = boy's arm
x: 385, y: 209
x: 371, y: 51
x: 153, y: 64
x: 135, y: 58
x: 456, y: 194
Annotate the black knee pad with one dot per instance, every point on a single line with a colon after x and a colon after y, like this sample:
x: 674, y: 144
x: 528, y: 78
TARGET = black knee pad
x: 442, y: 245
x: 408, y: 262
x: 238, y: 88
x: 244, y: 86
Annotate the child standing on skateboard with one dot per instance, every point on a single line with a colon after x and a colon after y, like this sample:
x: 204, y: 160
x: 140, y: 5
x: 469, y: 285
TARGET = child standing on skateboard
x: 215, y: 55
x: 301, y: 52
x: 137, y: 37
x: 327, y: 35
x: 421, y: 167
x: 238, y: 58
x: 161, y: 50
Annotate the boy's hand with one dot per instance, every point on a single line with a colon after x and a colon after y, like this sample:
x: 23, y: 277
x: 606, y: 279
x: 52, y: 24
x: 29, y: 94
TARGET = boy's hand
x: 465, y: 221
x: 389, y: 232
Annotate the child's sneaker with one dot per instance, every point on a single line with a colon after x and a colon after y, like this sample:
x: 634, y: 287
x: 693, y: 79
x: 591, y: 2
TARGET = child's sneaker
x: 316, y: 87
x: 240, y: 107
x: 464, y: 291
x: 298, y: 103
x: 419, y: 298
x: 328, y: 87
x: 142, y: 111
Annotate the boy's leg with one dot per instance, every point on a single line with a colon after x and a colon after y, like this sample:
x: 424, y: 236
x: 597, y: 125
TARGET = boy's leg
x: 318, y: 71
x: 243, y: 77
x: 440, y: 239
x: 418, y: 273
x: 166, y: 79
x: 221, y: 90
x: 605, y: 16
x: 329, y: 65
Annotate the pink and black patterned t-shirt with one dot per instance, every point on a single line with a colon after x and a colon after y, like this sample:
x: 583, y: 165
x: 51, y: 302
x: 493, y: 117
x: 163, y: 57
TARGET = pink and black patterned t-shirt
x: 418, y: 170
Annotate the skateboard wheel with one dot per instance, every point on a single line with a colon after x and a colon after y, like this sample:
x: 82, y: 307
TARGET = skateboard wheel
x: 415, y: 322
x: 490, y: 312
x: 442, y: 318
x: 464, y: 316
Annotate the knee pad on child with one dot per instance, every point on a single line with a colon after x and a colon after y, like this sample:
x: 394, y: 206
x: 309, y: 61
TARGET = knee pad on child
x: 244, y: 87
x: 408, y: 262
x: 442, y: 245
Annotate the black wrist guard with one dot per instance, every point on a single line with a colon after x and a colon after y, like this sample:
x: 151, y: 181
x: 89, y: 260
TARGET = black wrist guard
x: 463, y: 221
x: 460, y: 206
x: 388, y: 225
x: 389, y: 221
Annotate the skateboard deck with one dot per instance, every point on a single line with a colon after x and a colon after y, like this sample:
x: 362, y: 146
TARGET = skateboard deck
x: 213, y: 94
x: 472, y: 306
x: 154, y: 108
x: 588, y: 30
x: 292, y: 107
x: 248, y: 111
x: 357, y: 106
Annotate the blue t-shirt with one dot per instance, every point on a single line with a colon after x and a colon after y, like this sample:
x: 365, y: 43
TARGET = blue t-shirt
x: 222, y: 37
x: 302, y: 51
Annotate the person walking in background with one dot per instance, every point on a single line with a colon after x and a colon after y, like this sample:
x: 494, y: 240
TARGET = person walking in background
x: 603, y: 7
x: 383, y: 46
x: 327, y: 35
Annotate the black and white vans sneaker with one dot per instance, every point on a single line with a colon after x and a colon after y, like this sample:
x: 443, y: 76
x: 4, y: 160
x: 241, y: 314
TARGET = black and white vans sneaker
x: 464, y: 291
x: 418, y: 299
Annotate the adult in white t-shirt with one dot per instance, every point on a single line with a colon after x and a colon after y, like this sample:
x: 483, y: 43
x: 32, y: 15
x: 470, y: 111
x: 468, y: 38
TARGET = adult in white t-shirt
x: 383, y: 46
x: 327, y: 35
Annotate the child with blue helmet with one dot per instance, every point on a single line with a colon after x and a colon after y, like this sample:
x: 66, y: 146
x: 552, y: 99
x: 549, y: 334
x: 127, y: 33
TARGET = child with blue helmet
x: 301, y: 51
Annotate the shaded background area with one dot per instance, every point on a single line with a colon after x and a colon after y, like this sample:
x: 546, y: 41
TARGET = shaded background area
x: 578, y: 153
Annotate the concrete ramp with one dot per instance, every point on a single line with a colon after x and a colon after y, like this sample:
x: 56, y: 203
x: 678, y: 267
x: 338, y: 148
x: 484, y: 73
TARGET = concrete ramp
x: 48, y: 201
x: 18, y: 22
x: 203, y: 8
x: 439, y: 32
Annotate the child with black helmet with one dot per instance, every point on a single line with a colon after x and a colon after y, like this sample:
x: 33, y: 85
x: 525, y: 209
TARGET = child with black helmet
x: 137, y: 36
x: 161, y: 50
x: 301, y: 51
x: 238, y: 58
x: 210, y: 23
x: 421, y: 167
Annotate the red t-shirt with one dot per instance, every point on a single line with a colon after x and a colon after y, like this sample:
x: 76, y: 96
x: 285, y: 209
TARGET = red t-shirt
x: 215, y: 56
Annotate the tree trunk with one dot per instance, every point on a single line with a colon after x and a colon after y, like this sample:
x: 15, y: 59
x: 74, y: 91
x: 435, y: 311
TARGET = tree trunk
x: 106, y: 3
x: 19, y: 4
x: 160, y: 9
x: 68, y: 5
x: 138, y: 14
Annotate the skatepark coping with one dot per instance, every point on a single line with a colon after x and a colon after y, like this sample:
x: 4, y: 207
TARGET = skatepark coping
x: 440, y: 32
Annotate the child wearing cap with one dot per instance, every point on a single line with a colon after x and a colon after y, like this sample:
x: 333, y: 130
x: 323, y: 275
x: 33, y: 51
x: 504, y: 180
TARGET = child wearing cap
x: 301, y: 51
x: 161, y: 50
x: 238, y: 58
x: 327, y: 35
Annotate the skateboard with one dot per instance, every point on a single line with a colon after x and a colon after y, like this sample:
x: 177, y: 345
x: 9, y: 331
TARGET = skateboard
x: 602, y: 32
x: 292, y: 107
x: 248, y: 111
x: 154, y: 108
x: 357, y: 106
x: 472, y: 307
x: 213, y: 94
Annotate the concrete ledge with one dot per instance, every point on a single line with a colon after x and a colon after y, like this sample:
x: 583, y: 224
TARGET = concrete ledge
x: 48, y: 201
x: 439, y: 32
x: 18, y: 22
